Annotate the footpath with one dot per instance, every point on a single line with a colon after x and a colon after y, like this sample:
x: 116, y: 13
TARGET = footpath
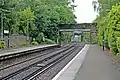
x: 97, y: 66
x: 91, y: 63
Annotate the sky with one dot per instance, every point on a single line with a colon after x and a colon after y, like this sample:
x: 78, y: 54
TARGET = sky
x: 84, y: 11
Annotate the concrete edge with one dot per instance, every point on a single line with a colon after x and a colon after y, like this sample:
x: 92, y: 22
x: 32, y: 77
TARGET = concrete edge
x: 25, y: 49
x: 71, y: 64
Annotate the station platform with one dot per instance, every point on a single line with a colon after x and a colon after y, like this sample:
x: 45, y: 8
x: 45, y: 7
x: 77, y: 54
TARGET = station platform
x: 91, y: 63
x: 18, y: 50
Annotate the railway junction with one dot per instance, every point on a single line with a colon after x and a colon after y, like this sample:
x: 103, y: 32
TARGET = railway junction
x: 70, y: 61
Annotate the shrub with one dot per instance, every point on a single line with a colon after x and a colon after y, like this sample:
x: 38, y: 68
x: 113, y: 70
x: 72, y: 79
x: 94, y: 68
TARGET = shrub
x: 24, y: 44
x: 118, y: 54
x: 49, y: 41
x: 34, y: 42
x: 118, y: 44
x: 13, y: 46
x: 113, y: 45
x: 2, y: 44
x: 40, y: 38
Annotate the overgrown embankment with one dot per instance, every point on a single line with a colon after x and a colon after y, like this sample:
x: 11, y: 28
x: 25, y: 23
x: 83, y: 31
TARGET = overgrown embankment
x: 109, y: 25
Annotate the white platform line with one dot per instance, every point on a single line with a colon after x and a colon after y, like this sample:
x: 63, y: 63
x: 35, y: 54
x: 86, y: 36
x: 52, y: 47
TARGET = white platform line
x: 61, y: 72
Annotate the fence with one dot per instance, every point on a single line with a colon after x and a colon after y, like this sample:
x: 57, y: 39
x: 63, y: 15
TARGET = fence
x: 15, y: 41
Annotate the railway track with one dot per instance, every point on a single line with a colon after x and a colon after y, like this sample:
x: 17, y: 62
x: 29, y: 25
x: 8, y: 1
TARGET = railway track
x: 39, y: 66
x: 26, y: 52
x: 38, y: 74
x: 49, y: 65
x: 53, y: 71
x: 34, y: 57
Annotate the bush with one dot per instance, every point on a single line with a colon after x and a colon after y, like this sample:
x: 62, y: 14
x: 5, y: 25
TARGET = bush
x: 24, y: 44
x: 2, y: 44
x: 118, y: 44
x: 34, y: 42
x: 40, y: 38
x: 113, y: 45
x: 13, y: 46
x: 118, y: 54
x: 49, y: 41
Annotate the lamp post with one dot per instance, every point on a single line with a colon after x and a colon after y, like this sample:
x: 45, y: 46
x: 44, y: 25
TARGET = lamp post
x: 2, y: 11
x: 27, y: 31
x: 1, y: 25
x: 103, y: 39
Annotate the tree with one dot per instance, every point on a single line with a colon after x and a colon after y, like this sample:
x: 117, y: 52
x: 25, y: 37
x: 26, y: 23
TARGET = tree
x: 108, y: 23
x: 41, y: 16
x: 94, y: 3
x: 26, y: 17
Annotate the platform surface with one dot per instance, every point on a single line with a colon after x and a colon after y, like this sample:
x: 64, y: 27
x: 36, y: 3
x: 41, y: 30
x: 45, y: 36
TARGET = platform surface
x: 91, y: 64
x: 12, y: 51
x: 97, y: 66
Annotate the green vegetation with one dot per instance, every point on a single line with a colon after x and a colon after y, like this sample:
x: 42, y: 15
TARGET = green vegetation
x: 48, y: 41
x: 2, y: 44
x: 109, y: 25
x: 66, y: 37
x: 34, y: 42
x: 37, y: 18
x: 13, y: 46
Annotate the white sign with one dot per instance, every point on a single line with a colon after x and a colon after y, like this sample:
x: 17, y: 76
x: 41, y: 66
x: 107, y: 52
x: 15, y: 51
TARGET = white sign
x: 6, y: 31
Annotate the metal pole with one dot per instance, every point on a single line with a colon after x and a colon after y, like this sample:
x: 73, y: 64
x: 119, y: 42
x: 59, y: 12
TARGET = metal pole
x: 9, y: 37
x: 2, y: 29
x: 1, y: 26
x: 58, y: 38
x: 27, y: 32
x: 103, y: 38
x: 8, y: 40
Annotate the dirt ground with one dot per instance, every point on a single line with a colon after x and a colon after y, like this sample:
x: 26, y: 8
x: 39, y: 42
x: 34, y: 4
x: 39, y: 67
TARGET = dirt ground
x: 116, y: 59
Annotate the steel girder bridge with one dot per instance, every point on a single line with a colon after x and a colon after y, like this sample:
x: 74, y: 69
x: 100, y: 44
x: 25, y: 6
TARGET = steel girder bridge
x: 79, y: 29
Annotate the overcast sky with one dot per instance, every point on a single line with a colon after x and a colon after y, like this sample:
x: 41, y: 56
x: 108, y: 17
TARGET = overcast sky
x: 84, y: 11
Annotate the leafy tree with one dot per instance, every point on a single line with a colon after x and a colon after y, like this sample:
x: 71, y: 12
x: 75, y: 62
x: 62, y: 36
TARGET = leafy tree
x: 34, y: 17
x: 26, y: 17
x: 109, y: 24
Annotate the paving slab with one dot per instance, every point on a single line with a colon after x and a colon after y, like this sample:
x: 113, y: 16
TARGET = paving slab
x: 97, y: 66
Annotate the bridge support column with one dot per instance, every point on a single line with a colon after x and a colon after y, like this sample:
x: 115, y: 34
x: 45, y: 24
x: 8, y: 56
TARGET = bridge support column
x: 90, y: 37
x: 59, y: 38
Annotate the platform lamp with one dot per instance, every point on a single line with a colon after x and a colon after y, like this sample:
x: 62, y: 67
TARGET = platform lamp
x: 1, y: 24
x: 103, y: 39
